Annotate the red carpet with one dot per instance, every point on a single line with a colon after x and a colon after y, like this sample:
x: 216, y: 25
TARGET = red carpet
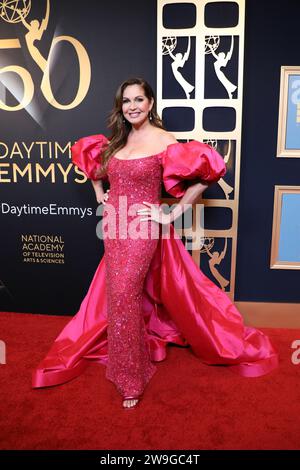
x: 187, y: 405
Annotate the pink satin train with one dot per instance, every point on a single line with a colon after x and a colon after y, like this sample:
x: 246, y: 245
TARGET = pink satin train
x: 180, y: 305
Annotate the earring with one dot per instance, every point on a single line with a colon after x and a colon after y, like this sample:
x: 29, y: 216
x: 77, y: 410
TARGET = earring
x: 150, y: 116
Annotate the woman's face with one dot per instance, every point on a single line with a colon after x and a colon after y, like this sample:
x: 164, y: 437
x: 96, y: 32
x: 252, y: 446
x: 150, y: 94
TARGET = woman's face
x: 135, y: 104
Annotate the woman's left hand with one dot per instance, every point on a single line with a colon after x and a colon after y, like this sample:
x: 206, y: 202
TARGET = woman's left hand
x: 155, y: 213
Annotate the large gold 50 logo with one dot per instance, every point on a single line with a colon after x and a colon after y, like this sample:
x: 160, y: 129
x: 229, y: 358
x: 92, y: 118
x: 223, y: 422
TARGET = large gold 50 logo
x: 16, y: 11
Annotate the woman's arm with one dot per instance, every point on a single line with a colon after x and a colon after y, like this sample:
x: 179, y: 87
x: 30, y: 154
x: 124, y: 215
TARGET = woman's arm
x: 99, y: 192
x: 152, y: 212
x: 191, y: 195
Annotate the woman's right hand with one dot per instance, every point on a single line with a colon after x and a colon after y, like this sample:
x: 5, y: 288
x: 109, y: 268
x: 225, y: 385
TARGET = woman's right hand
x: 103, y: 197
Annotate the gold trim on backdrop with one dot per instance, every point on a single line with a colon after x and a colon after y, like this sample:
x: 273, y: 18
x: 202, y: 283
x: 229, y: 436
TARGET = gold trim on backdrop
x: 282, y: 151
x: 276, y: 263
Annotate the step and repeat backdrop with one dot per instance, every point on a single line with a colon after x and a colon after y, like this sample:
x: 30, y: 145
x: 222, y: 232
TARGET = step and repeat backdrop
x: 60, y: 66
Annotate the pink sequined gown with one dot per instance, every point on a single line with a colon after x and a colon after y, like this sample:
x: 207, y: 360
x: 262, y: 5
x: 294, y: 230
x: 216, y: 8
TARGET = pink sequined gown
x: 127, y: 263
x: 147, y: 291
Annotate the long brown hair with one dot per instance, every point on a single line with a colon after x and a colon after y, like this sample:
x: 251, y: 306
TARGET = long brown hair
x: 120, y: 126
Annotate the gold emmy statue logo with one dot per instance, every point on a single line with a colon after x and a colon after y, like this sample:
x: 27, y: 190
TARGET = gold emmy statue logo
x: 9, y: 10
x: 215, y: 257
x: 18, y: 11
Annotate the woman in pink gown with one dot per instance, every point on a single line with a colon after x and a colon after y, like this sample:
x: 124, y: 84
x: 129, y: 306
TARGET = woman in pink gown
x: 147, y: 291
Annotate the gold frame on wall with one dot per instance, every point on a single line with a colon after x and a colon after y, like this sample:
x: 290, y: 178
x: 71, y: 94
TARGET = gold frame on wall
x: 285, y: 73
x: 277, y: 212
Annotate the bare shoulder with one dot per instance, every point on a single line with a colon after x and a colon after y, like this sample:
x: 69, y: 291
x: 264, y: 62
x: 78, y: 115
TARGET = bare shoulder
x: 166, y: 138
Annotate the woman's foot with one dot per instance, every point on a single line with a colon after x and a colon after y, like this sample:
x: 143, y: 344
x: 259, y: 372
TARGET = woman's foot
x: 130, y: 402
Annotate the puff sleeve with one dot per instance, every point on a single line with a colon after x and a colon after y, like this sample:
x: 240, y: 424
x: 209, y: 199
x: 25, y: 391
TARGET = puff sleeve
x: 191, y: 161
x: 86, y: 154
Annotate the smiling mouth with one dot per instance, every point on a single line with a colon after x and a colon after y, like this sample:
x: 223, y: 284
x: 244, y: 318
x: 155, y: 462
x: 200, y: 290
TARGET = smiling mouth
x: 134, y: 114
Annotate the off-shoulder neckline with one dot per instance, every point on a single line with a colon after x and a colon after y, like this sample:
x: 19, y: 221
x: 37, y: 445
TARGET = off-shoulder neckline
x: 147, y: 156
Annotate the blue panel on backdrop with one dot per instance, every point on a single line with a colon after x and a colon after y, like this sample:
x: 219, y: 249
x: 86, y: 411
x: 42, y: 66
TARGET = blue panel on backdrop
x: 179, y: 15
x: 217, y: 218
x: 221, y: 15
x: 178, y: 119
x: 292, y: 126
x: 289, y: 243
x: 219, y: 119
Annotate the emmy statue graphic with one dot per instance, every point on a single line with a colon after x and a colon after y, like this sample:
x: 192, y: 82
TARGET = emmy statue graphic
x: 226, y: 188
x: 216, y: 258
x: 35, y: 33
x: 222, y: 60
x: 179, y: 60
x: 9, y: 9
